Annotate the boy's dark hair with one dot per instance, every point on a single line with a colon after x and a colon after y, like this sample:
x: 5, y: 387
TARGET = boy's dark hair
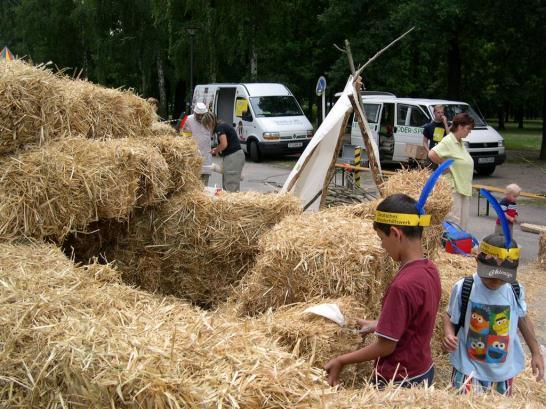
x: 399, y: 203
x: 462, y: 119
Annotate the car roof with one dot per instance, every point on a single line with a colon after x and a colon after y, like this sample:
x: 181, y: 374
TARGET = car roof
x: 419, y: 101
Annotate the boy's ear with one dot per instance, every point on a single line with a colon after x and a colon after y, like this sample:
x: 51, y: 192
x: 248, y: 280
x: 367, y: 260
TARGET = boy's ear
x: 396, y: 231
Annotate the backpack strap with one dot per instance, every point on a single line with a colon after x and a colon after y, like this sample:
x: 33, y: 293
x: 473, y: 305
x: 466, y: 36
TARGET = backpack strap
x: 517, y: 290
x: 465, y: 296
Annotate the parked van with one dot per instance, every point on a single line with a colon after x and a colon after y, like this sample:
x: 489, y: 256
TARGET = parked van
x: 397, y: 124
x: 267, y: 117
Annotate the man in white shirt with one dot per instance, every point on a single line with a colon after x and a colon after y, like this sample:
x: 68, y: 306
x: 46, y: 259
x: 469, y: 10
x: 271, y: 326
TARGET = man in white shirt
x: 202, y: 136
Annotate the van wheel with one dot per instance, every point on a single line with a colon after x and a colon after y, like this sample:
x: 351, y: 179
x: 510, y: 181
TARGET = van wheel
x: 254, y: 152
x: 486, y: 170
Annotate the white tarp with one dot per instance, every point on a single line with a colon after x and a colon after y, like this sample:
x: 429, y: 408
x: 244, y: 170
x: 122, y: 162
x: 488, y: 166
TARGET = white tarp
x: 308, y: 175
x: 307, y: 178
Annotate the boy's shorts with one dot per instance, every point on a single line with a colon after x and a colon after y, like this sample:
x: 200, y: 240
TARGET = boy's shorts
x: 425, y: 379
x: 466, y: 384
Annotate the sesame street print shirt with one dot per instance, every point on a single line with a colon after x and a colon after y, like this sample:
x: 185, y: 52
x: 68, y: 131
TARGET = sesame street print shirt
x: 489, y: 347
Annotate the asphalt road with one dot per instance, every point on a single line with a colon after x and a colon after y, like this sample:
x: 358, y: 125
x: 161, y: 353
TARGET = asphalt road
x: 270, y: 174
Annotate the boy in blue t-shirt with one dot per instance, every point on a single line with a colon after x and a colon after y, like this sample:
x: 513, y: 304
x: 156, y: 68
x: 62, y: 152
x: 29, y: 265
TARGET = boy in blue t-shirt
x: 483, y: 342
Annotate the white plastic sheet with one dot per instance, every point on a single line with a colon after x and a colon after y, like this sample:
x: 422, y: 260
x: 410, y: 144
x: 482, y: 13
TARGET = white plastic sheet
x: 329, y: 311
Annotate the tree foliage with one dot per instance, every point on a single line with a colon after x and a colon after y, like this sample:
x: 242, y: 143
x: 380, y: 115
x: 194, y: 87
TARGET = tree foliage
x: 489, y: 53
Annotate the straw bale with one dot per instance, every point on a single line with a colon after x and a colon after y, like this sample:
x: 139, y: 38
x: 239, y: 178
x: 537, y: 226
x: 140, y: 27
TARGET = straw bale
x: 197, y: 247
x: 183, y: 159
x: 321, y: 254
x: 411, y: 182
x: 542, y: 249
x: 316, y: 338
x: 80, y: 339
x: 33, y: 107
x: 70, y: 183
x: 107, y: 113
x: 38, y: 106
x: 162, y: 129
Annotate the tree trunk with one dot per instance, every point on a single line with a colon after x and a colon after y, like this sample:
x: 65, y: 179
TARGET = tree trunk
x: 542, y: 155
x: 253, y: 62
x: 454, y: 68
x: 162, y: 88
x: 519, y: 117
x: 500, y: 113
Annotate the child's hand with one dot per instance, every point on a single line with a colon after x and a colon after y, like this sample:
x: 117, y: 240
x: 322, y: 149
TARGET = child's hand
x: 450, y: 342
x: 537, y: 364
x: 333, y: 367
x: 366, y: 326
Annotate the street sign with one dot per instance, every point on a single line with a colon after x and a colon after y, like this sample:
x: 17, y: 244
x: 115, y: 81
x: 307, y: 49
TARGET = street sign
x: 321, y: 86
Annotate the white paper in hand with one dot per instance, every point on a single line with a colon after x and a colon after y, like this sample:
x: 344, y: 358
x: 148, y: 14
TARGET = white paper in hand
x: 329, y: 311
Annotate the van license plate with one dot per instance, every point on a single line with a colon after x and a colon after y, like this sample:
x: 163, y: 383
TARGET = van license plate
x: 295, y: 145
x: 486, y: 160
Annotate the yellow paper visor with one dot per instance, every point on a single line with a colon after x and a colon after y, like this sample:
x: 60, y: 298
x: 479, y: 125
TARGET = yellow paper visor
x: 402, y: 219
x: 499, y: 252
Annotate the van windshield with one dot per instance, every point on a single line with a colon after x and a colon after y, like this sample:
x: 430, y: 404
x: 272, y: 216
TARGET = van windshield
x: 451, y: 110
x: 278, y: 105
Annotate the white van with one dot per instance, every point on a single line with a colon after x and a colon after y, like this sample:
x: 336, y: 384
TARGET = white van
x: 267, y: 117
x: 397, y: 123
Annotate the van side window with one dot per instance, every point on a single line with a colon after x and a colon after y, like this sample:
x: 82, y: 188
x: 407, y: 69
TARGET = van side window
x: 417, y: 117
x: 372, y: 112
x: 241, y: 106
x: 401, y: 114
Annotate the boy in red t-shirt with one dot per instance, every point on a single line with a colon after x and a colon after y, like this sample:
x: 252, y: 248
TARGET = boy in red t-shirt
x: 401, y: 351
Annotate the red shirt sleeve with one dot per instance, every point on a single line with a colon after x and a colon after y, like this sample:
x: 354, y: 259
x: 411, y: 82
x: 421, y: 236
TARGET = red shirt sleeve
x: 394, y: 317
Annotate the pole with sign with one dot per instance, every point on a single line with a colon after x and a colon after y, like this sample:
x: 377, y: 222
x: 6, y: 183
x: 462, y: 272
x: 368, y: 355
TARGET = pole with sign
x: 321, y: 91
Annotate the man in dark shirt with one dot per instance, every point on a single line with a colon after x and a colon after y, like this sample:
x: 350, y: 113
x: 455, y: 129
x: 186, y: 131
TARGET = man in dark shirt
x: 233, y: 157
x: 435, y: 131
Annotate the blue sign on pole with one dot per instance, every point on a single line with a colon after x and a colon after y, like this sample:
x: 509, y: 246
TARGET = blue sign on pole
x: 321, y: 86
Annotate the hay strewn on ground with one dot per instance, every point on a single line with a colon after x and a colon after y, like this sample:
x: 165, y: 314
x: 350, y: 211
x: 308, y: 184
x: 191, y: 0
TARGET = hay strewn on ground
x: 322, y: 254
x: 38, y: 106
x: 198, y: 247
x: 76, y: 340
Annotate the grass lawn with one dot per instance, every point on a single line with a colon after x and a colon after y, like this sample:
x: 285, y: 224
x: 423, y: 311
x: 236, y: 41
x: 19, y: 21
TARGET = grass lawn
x: 528, y: 138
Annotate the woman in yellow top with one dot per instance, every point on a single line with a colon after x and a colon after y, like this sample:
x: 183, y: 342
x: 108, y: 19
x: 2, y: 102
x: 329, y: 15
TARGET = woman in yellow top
x: 461, y: 171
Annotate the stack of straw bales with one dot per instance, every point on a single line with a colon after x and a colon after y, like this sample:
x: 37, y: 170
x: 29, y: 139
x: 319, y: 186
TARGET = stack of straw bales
x: 80, y: 338
x: 323, y: 254
x: 38, y: 106
x: 197, y: 247
x: 69, y: 183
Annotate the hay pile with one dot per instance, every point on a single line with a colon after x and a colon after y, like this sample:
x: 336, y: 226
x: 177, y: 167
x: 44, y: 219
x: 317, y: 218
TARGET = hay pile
x: 162, y: 129
x: 323, y: 254
x: 82, y: 339
x: 527, y: 394
x: 438, y: 204
x: 197, y: 247
x: 316, y: 338
x: 37, y: 106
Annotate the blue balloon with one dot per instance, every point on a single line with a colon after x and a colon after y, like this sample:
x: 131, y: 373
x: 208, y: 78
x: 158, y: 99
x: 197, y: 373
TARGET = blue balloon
x: 430, y: 185
x: 502, y: 217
